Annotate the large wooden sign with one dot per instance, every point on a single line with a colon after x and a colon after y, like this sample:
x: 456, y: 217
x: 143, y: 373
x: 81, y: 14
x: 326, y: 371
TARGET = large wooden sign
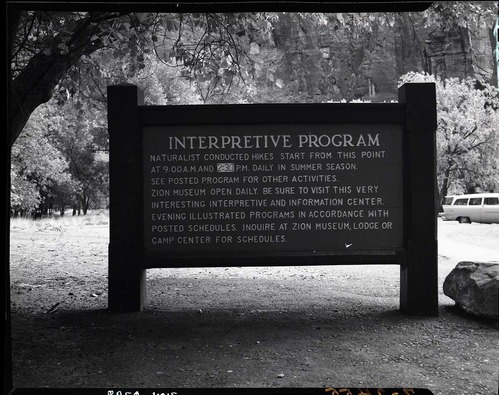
x: 281, y: 184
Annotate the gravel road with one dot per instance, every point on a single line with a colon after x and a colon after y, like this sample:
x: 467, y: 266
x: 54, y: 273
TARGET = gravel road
x: 240, y: 327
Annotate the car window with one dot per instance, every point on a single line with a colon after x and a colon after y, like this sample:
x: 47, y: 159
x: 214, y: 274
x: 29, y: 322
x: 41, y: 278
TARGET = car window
x: 491, y: 201
x: 448, y: 200
x: 475, y: 201
x: 461, y: 202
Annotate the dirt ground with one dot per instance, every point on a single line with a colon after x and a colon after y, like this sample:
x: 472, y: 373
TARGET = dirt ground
x: 323, y: 326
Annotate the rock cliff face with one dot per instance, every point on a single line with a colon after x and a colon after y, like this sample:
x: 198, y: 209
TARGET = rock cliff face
x: 340, y: 60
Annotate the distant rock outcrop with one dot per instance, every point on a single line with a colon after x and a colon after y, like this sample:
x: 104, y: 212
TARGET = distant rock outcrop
x: 475, y: 288
x: 335, y: 61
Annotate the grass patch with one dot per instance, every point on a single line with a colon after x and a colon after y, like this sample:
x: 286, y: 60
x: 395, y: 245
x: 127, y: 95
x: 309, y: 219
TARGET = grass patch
x: 58, y: 223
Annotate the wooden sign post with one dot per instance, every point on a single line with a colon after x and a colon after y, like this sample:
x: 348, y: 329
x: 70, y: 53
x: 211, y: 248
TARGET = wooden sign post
x: 276, y: 184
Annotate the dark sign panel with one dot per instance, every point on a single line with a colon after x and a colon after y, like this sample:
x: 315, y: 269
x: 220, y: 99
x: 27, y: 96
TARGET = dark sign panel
x: 279, y: 188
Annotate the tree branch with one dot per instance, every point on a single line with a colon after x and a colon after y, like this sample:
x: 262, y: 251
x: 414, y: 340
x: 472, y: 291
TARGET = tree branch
x: 35, y: 84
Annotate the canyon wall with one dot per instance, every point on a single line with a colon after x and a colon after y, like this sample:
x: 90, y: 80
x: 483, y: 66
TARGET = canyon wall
x: 343, y: 59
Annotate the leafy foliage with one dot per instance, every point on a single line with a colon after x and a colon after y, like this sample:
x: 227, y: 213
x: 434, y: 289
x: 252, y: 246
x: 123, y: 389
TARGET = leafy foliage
x: 74, y: 128
x: 73, y: 138
x: 445, y: 15
x: 467, y: 134
x: 36, y: 165
x: 221, y: 53
x: 67, y: 60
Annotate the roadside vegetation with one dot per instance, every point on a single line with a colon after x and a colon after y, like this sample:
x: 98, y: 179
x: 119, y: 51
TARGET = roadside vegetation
x: 60, y: 223
x: 62, y: 62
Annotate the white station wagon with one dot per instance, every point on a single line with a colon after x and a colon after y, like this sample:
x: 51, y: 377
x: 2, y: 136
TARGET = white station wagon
x: 479, y: 207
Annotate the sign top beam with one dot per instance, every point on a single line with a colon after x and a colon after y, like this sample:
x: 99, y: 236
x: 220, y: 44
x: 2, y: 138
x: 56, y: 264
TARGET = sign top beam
x: 226, y: 6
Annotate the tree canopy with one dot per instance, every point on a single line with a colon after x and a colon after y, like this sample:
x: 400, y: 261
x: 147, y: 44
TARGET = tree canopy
x: 214, y: 49
x: 67, y: 59
x: 467, y: 134
x: 222, y: 53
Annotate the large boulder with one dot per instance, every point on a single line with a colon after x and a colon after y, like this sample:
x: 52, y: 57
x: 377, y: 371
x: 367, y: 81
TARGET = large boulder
x: 475, y: 288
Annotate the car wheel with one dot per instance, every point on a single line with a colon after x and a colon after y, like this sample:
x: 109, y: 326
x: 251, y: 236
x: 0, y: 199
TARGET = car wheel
x: 464, y: 220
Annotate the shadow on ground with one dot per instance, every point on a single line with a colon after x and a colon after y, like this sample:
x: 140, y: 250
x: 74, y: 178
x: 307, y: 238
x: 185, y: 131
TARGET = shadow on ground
x: 262, y: 347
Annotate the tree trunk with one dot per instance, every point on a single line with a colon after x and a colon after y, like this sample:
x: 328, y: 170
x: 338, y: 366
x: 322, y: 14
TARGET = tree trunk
x: 35, y: 84
x: 85, y: 204
x: 445, y: 185
x: 471, y: 188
